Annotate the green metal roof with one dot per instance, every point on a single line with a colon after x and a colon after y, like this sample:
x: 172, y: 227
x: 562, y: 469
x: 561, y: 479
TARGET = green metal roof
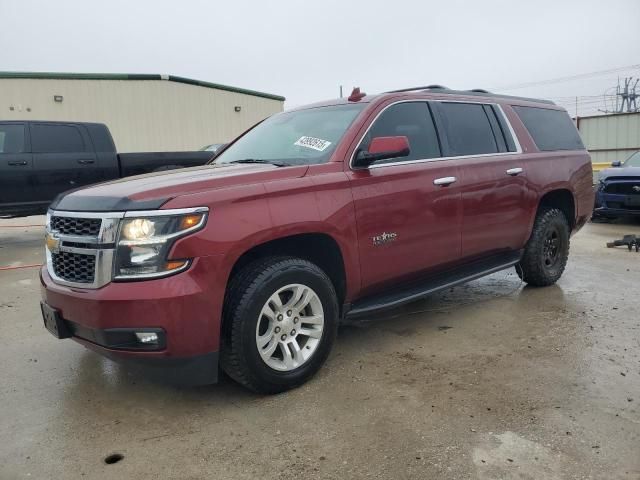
x: 135, y: 76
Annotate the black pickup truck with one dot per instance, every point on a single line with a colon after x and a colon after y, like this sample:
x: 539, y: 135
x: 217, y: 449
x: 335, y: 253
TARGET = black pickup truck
x: 41, y: 159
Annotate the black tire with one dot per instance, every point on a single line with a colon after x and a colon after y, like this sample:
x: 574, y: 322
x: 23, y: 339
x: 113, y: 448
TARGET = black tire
x: 248, y: 291
x: 547, y: 251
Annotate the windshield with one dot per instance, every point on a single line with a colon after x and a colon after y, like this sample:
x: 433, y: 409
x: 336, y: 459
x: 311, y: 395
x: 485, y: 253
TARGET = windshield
x: 302, y: 137
x: 633, y: 160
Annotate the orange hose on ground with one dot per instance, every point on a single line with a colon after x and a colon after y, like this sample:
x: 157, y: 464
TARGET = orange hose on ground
x: 34, y: 265
x: 20, y: 226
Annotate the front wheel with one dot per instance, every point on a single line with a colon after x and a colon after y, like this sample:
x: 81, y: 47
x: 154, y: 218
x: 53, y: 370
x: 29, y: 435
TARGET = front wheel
x: 281, y: 319
x: 547, y: 251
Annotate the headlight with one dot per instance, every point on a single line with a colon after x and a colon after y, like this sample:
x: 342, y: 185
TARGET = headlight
x: 601, y: 185
x: 144, y: 242
x: 138, y: 229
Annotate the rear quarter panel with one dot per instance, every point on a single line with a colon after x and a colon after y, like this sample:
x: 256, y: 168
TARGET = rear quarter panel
x: 547, y: 171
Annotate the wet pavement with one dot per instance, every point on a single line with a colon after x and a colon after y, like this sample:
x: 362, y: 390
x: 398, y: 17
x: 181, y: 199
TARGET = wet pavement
x: 491, y: 380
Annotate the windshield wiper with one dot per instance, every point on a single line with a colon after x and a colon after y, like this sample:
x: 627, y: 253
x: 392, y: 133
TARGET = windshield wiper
x: 260, y: 160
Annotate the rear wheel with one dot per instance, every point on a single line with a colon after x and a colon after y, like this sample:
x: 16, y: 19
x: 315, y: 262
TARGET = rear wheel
x: 547, y: 251
x: 281, y: 319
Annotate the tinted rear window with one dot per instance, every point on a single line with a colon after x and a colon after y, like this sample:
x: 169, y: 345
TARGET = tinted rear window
x: 550, y: 129
x: 11, y: 138
x: 101, y: 138
x: 56, y: 139
x: 467, y: 129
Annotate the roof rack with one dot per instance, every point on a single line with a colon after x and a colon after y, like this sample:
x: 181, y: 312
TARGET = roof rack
x: 475, y: 91
x: 414, y: 89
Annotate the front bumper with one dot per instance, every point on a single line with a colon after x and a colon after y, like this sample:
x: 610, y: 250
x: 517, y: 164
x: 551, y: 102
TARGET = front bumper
x: 615, y: 205
x: 189, y: 371
x: 185, y: 308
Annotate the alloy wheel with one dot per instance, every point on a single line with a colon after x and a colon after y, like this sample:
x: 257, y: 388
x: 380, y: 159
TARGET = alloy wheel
x: 551, y: 248
x: 290, y: 327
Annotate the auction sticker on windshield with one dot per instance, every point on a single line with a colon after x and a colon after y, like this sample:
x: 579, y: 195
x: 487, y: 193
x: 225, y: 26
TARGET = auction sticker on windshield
x: 314, y: 143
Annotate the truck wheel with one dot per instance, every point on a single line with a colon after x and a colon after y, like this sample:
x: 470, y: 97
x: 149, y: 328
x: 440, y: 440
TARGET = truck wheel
x: 547, y: 251
x: 281, y: 318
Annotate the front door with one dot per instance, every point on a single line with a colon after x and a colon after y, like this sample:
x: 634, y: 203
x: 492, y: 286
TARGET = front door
x: 16, y: 167
x: 406, y: 223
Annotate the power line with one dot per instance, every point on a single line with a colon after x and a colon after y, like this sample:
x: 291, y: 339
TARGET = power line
x: 582, y: 99
x: 589, y: 104
x: 573, y: 97
x: 581, y: 102
x: 566, y: 79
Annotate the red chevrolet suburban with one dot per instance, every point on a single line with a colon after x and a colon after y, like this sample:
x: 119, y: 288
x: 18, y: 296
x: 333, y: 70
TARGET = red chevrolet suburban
x: 318, y: 215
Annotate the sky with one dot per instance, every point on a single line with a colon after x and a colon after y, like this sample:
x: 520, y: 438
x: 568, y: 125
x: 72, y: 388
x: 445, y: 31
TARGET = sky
x: 304, y: 50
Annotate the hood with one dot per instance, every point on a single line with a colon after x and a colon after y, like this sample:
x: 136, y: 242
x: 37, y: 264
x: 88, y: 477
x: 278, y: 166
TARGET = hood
x: 152, y: 190
x: 619, y: 172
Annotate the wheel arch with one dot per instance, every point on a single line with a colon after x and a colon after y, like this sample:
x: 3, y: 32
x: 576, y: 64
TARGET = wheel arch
x: 319, y: 248
x: 562, y: 199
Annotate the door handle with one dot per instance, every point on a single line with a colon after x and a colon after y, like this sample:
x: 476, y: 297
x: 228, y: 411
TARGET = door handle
x: 17, y: 163
x: 514, y: 171
x: 85, y: 162
x: 444, y: 181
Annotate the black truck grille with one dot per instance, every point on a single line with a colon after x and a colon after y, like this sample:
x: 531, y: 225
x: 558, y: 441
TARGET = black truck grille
x: 84, y: 227
x: 629, y: 188
x: 74, y: 267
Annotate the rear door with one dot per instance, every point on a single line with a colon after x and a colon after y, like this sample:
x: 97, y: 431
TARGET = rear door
x: 494, y: 188
x: 15, y: 166
x: 63, y: 158
x: 406, y: 223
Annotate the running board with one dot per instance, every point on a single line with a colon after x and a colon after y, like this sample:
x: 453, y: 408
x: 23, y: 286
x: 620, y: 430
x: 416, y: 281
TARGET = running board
x: 444, y: 280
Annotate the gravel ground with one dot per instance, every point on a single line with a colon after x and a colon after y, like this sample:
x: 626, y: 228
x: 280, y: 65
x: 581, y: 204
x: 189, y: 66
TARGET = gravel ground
x: 491, y: 380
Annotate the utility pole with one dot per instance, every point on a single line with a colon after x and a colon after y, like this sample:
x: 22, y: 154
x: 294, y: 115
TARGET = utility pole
x: 340, y: 91
x: 629, y: 96
x: 626, y: 97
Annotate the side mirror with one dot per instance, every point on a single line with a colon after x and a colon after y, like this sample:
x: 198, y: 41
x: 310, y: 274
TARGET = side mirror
x: 617, y: 163
x: 382, y: 148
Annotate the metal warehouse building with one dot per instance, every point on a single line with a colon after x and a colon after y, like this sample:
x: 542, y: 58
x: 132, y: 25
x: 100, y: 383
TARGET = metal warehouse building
x: 143, y: 112
x: 610, y: 137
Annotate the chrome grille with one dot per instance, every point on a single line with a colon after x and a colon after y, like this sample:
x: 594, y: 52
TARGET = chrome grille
x: 74, y: 267
x: 80, y: 247
x: 76, y: 226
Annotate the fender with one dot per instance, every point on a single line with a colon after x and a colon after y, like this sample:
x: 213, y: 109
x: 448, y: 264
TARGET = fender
x: 251, y: 215
x: 348, y: 252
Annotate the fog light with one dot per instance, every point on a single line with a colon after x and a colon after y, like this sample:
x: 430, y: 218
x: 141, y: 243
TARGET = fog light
x: 147, y: 337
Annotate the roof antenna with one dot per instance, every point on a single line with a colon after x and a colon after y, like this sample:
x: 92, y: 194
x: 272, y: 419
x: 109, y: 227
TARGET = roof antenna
x: 356, y: 95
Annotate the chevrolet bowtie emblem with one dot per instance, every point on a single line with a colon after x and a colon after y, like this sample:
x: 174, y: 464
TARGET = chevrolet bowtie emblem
x: 52, y: 242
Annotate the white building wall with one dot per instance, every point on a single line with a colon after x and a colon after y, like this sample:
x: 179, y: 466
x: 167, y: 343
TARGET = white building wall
x: 611, y: 137
x: 143, y: 115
